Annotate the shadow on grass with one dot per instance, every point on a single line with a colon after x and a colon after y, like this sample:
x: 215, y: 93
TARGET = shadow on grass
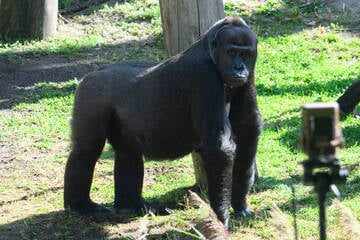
x: 65, y: 225
x: 54, y: 225
x: 17, y: 80
x: 20, y: 79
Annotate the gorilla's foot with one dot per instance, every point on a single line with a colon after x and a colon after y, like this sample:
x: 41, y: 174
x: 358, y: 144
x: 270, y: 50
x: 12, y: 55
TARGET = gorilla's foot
x: 143, y: 208
x: 243, y: 213
x: 86, y: 208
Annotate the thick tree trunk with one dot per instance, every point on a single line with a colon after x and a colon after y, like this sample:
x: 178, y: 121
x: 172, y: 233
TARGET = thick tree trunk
x: 36, y: 19
x: 183, y: 22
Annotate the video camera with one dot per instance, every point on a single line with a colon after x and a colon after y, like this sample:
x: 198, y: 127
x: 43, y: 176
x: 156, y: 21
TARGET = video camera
x: 320, y: 139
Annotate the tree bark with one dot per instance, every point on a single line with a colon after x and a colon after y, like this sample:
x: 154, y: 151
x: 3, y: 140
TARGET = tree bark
x: 183, y: 22
x: 35, y: 19
x: 200, y: 174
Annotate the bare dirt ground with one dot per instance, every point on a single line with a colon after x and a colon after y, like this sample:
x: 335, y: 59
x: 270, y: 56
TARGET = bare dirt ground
x: 16, y: 79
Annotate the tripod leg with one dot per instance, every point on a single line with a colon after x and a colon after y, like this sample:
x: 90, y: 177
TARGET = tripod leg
x: 322, y: 187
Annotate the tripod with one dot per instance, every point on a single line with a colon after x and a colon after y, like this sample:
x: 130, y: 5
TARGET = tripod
x: 323, y: 171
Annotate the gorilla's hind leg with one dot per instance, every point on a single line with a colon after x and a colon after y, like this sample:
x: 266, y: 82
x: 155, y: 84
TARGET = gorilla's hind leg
x: 129, y: 174
x: 78, y: 177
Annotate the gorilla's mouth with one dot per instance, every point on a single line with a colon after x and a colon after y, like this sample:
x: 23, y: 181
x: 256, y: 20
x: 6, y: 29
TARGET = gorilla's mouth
x: 236, y: 81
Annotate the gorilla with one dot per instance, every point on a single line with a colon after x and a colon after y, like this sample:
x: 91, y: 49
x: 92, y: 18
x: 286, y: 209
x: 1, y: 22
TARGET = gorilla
x: 350, y: 99
x: 165, y: 111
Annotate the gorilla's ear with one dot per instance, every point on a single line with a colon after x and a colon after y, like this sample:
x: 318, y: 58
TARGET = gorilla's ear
x: 212, y: 41
x: 212, y: 35
x: 212, y: 48
x: 213, y: 44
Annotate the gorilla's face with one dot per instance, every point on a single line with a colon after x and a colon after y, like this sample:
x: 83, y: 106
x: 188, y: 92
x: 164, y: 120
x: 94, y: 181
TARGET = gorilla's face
x: 234, y: 52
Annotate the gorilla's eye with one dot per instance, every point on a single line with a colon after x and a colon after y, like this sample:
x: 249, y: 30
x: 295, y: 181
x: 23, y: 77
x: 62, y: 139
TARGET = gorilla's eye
x: 244, y: 55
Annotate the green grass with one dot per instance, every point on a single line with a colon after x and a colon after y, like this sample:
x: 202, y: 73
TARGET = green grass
x: 296, y: 64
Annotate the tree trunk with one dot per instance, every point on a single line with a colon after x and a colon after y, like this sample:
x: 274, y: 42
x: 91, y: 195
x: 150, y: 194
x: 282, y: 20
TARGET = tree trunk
x: 35, y: 19
x: 183, y: 22
x: 200, y: 174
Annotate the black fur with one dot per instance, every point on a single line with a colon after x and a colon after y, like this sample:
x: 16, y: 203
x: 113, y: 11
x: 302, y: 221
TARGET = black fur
x: 166, y: 111
x: 350, y: 98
